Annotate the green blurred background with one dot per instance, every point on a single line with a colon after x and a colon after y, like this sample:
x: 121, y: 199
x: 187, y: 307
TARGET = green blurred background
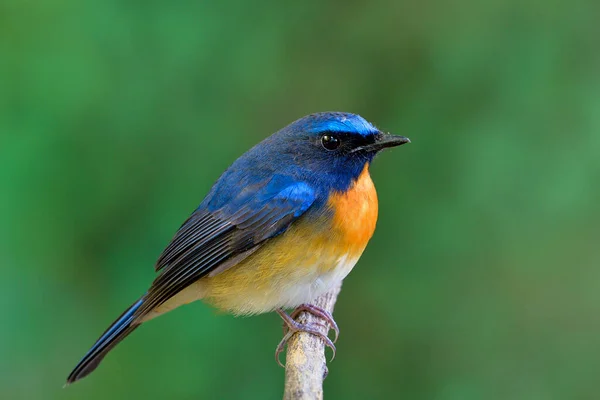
x: 482, y: 280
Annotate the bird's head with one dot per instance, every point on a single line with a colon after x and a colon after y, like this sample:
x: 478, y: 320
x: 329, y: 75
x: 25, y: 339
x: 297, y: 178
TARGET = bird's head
x: 334, y: 146
x: 328, y: 151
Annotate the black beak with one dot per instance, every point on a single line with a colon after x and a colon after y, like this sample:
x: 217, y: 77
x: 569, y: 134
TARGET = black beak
x: 385, y: 140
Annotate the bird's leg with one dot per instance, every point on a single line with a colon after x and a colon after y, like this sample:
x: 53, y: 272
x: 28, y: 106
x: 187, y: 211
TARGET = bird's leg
x: 291, y: 326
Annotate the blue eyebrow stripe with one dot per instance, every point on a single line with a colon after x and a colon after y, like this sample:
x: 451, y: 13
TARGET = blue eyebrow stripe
x: 347, y: 123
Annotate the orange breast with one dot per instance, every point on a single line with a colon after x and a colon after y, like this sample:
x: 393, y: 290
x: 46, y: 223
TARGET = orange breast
x: 355, y: 212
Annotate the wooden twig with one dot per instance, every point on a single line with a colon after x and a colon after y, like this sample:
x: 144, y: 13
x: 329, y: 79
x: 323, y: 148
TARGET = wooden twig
x: 305, y: 367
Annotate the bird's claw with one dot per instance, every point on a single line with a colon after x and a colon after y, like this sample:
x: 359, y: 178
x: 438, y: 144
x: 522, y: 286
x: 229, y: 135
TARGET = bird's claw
x: 318, y: 312
x: 291, y: 326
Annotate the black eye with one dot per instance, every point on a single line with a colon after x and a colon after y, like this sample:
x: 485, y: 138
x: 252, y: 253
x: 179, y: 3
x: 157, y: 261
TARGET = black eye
x: 330, y: 142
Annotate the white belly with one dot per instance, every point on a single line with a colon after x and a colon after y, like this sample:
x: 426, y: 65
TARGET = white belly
x: 313, y: 286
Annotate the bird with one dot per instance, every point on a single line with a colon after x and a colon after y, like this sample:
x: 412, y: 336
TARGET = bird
x: 284, y: 224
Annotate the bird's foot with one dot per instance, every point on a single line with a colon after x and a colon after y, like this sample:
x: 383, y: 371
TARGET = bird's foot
x: 291, y: 326
x: 318, y: 312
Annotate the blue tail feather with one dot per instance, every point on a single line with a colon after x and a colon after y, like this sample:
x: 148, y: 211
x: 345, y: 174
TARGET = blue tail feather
x: 119, y: 329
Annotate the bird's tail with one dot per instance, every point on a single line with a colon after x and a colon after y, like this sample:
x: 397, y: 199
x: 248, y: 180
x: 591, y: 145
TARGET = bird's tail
x: 119, y: 329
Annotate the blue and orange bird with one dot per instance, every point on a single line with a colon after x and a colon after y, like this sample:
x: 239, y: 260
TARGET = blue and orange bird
x: 283, y: 225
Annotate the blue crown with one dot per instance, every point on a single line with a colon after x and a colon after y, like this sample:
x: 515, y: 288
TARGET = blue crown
x: 336, y: 122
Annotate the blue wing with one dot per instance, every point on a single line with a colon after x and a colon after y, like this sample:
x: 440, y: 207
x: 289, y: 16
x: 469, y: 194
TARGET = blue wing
x: 227, y: 227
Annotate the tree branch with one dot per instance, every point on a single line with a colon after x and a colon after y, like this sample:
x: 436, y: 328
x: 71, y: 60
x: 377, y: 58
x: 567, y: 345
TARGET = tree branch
x: 305, y: 367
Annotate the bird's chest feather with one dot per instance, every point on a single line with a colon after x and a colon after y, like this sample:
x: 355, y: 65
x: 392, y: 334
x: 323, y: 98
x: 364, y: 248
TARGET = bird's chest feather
x: 355, y: 213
